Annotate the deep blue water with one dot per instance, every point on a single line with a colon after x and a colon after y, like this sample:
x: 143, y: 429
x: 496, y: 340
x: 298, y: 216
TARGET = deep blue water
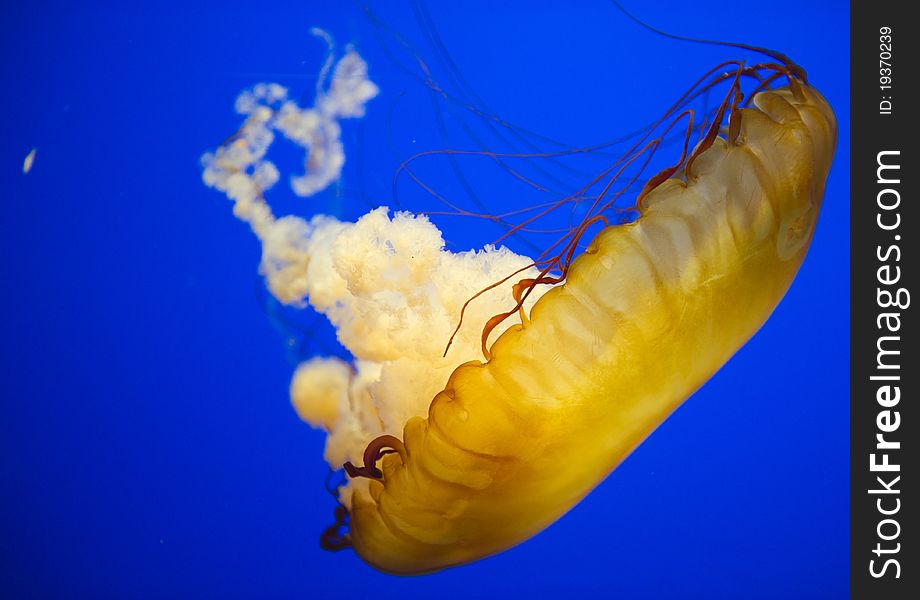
x: 147, y: 447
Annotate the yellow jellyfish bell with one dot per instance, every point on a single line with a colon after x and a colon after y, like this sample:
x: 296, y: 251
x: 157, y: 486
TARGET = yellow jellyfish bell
x: 646, y: 315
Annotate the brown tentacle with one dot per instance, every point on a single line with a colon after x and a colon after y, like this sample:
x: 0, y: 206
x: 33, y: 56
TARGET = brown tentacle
x: 379, y: 447
x: 554, y: 267
x: 332, y: 539
x: 734, y: 117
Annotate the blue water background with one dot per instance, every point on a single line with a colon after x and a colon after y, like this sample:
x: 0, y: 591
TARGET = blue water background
x: 147, y: 446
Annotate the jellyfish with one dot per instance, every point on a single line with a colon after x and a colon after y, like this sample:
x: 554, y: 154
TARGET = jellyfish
x: 558, y: 365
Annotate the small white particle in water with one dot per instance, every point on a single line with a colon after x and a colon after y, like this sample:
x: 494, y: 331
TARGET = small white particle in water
x: 27, y: 163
